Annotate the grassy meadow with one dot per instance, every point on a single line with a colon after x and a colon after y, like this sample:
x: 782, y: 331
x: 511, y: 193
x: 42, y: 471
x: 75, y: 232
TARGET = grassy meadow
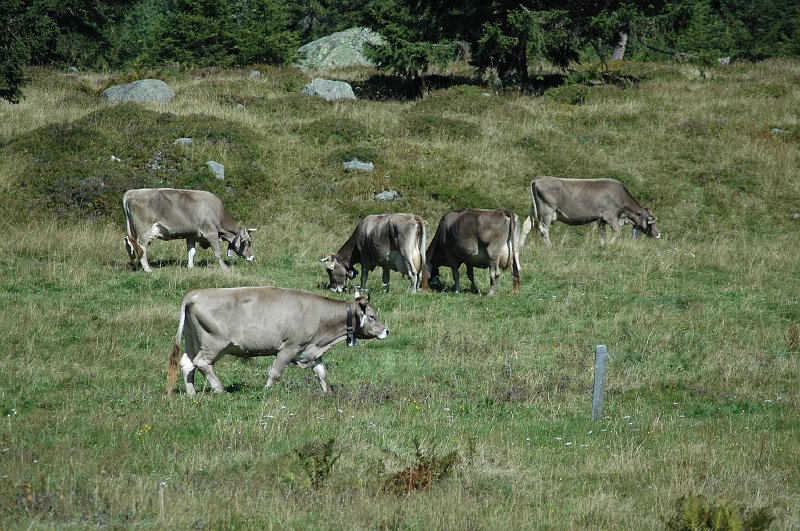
x: 475, y: 413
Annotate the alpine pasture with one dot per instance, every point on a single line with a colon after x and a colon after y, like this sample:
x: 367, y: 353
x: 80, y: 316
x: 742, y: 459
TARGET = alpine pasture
x: 475, y: 413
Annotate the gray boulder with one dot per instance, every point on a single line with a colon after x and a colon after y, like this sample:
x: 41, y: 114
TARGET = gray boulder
x: 142, y: 91
x: 329, y: 90
x: 338, y: 50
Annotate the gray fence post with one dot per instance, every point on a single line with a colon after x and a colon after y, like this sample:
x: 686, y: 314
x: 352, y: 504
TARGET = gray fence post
x: 600, y: 357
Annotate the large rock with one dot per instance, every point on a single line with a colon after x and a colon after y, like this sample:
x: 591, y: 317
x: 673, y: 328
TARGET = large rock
x: 329, y: 90
x: 142, y: 91
x: 339, y: 50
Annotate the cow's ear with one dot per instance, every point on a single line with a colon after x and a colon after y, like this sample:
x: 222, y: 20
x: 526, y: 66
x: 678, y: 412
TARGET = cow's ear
x: 330, y: 261
x: 651, y: 219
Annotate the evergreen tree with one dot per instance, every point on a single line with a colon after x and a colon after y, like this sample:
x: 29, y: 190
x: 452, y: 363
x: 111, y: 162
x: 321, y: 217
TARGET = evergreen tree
x: 14, y: 55
x: 194, y: 33
x: 263, y: 34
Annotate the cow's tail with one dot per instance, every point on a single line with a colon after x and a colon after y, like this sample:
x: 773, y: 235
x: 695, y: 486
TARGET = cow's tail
x: 532, y: 222
x: 422, y: 242
x: 135, y: 251
x: 429, y: 254
x: 174, y: 359
x: 513, y: 237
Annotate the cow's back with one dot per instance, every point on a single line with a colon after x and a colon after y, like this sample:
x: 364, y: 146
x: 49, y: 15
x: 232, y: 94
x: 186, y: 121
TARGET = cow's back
x: 180, y: 212
x: 465, y: 235
x: 580, y: 200
x: 262, y: 318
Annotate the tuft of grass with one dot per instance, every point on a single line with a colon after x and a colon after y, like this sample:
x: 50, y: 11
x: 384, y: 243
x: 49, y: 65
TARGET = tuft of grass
x: 428, y: 469
x: 696, y: 512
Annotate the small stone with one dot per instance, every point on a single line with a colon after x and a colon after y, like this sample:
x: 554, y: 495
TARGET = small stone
x: 254, y: 74
x: 217, y: 168
x: 356, y: 164
x: 183, y: 141
x: 388, y: 195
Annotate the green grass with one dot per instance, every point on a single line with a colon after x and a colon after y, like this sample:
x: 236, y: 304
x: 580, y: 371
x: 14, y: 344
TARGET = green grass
x: 702, y: 396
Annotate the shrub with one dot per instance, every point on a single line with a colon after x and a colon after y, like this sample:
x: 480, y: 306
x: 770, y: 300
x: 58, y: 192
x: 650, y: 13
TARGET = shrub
x: 695, y: 512
x: 317, y: 460
x: 429, y: 468
x: 335, y: 129
x: 574, y: 94
x: 430, y: 126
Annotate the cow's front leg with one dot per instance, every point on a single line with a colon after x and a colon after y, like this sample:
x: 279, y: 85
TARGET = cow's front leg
x: 385, y: 279
x: 456, y: 279
x: 471, y: 277
x: 276, y: 369
x: 601, y: 230
x: 364, y: 276
x: 191, y: 250
x: 322, y: 374
x: 213, y: 242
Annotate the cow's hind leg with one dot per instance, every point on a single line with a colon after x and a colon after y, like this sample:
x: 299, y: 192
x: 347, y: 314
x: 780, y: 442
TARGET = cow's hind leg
x: 143, y: 259
x: 322, y: 374
x: 385, y: 279
x: 187, y: 368
x: 204, y: 361
x: 471, y: 277
x: 494, y: 276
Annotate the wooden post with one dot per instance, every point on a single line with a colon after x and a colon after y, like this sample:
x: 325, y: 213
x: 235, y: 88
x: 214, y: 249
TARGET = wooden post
x: 600, y: 357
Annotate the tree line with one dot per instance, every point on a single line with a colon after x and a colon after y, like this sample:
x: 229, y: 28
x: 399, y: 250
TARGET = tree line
x: 507, y: 38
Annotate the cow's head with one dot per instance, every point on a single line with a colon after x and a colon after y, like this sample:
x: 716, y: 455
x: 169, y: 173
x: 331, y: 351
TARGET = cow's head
x: 367, y: 324
x: 433, y: 280
x: 242, y: 244
x: 339, y: 272
x: 643, y: 222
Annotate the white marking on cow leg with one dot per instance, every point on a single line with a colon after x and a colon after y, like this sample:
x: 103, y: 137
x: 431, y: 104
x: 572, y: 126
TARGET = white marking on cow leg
x: 144, y: 262
x: 187, y: 368
x: 192, y: 252
x: 322, y: 374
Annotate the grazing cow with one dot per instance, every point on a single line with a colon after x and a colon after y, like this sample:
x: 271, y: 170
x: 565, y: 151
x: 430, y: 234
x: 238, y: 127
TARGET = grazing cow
x: 582, y: 201
x: 193, y: 215
x: 391, y: 241
x: 477, y: 238
x: 295, y: 326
